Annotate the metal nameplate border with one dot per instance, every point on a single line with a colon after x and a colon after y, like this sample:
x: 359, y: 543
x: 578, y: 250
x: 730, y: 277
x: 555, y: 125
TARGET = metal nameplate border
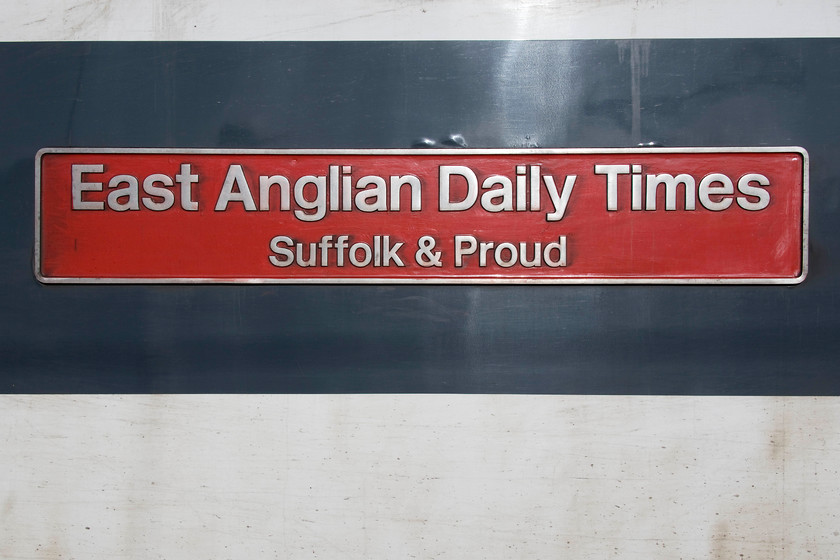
x: 494, y: 280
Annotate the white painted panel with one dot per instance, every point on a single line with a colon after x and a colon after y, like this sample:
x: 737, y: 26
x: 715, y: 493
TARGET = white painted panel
x: 333, y: 20
x: 426, y: 476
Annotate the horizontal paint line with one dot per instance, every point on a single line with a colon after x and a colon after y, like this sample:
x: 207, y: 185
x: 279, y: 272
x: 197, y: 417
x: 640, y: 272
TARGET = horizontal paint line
x: 327, y: 20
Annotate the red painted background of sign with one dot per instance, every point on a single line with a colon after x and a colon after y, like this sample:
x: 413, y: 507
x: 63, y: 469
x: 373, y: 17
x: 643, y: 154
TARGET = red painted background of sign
x: 208, y: 245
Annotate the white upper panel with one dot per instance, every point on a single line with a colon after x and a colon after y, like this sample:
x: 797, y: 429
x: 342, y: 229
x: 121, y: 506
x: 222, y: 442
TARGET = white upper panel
x: 379, y: 20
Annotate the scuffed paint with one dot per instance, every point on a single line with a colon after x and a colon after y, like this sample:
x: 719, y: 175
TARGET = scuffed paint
x: 326, y: 20
x: 425, y: 476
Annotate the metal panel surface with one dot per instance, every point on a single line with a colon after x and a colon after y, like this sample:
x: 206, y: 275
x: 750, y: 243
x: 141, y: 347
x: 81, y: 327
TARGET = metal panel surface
x: 766, y: 340
x: 472, y: 476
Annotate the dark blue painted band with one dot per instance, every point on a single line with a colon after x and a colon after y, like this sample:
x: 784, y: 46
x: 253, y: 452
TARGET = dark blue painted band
x: 731, y: 340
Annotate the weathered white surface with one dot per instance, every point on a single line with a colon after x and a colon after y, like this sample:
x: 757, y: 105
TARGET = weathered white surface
x: 419, y: 476
x: 329, y: 20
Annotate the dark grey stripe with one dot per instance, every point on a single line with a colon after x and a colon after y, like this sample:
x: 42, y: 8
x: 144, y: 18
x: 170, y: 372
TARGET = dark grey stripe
x: 744, y: 340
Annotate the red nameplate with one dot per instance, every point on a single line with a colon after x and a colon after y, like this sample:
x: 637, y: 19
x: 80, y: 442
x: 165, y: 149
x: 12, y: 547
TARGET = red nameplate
x: 687, y: 215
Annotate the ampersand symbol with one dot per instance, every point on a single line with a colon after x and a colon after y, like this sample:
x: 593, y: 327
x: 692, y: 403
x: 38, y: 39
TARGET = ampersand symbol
x: 424, y: 255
